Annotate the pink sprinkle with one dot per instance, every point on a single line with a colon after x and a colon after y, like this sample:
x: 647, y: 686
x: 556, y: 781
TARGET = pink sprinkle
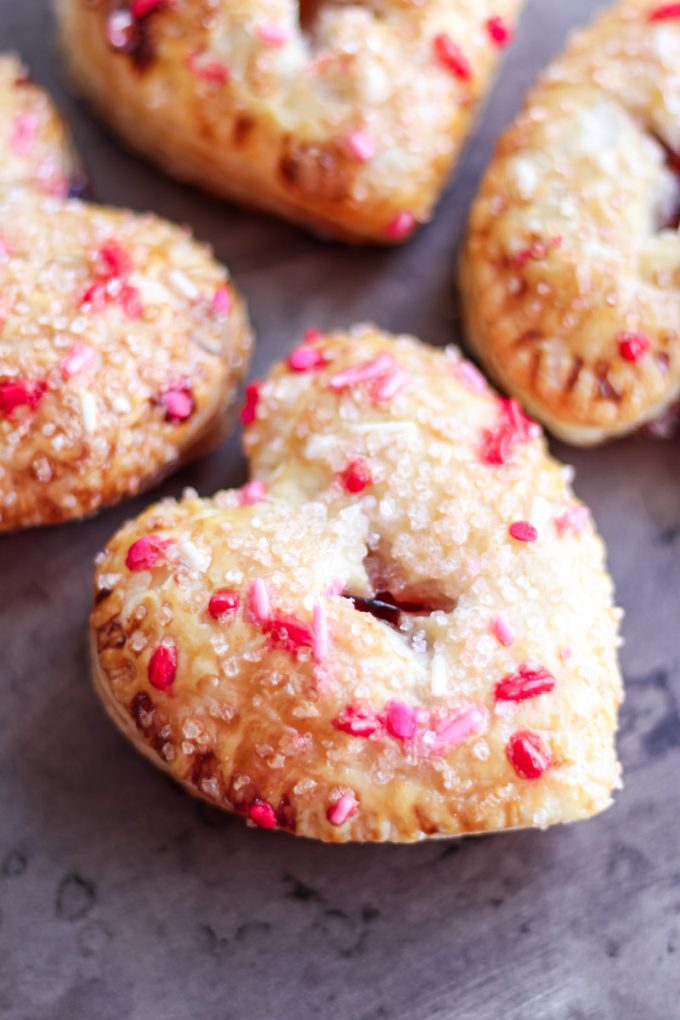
x: 212, y: 71
x: 499, y: 32
x: 146, y: 552
x: 24, y: 133
x: 401, y: 720
x: 258, y: 600
x: 502, y: 631
x: 565, y: 653
x: 130, y: 301
x: 367, y: 371
x: 311, y: 336
x: 163, y: 666
x: 305, y: 358
x: 273, y: 35
x: 573, y: 519
x: 251, y: 493
x: 222, y: 303
x: 263, y: 814
x: 401, y: 225
x: 470, y: 376
x: 361, y: 145
x: 523, y: 531
x: 77, y: 359
x: 390, y: 384
x: 343, y: 809
x: 456, y: 728
x: 320, y: 632
x: 178, y: 401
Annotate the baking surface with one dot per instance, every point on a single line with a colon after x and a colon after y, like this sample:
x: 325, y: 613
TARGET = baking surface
x: 122, y: 898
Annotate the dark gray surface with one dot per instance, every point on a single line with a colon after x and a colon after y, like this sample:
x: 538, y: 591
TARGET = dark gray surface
x: 121, y: 898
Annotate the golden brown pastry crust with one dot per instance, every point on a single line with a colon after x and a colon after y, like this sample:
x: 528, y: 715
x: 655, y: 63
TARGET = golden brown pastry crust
x: 320, y: 704
x: 349, y: 126
x: 570, y: 271
x: 121, y: 339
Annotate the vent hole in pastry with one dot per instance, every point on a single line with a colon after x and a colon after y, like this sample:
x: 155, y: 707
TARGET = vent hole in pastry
x: 393, y: 597
x: 309, y: 13
x: 668, y: 205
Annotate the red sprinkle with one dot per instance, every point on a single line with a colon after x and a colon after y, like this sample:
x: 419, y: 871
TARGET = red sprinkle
x: 140, y: 8
x: 357, y: 476
x: 222, y: 302
x: 401, y: 720
x: 513, y: 427
x: 77, y: 359
x: 311, y: 336
x: 633, y: 346
x: 401, y: 225
x: 526, y: 682
x: 249, y: 409
x: 208, y: 70
x: 357, y: 721
x: 343, y: 809
x: 305, y: 358
x: 523, y: 531
x: 224, y: 603
x: 665, y: 12
x: 163, y: 666
x: 528, y: 754
x: 535, y: 252
x: 146, y: 552
x: 499, y: 32
x: 20, y: 393
x: 178, y: 401
x: 263, y: 814
x: 288, y: 633
x: 116, y: 263
x: 450, y: 56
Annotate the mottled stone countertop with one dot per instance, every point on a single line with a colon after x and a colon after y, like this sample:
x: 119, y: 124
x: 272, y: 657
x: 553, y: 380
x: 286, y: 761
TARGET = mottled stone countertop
x: 120, y: 897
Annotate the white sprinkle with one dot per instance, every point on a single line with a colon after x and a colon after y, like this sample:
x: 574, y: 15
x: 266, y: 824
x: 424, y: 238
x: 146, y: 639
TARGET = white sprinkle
x: 438, y: 675
x: 181, y: 283
x: 89, y: 408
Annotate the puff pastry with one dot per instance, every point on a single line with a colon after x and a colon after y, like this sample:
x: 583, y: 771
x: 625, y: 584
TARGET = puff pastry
x: 121, y: 339
x: 401, y: 627
x: 343, y: 117
x: 571, y: 267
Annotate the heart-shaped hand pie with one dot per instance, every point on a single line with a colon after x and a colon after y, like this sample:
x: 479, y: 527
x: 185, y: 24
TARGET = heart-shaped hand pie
x: 343, y: 117
x: 403, y: 628
x: 121, y: 339
x: 570, y: 273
